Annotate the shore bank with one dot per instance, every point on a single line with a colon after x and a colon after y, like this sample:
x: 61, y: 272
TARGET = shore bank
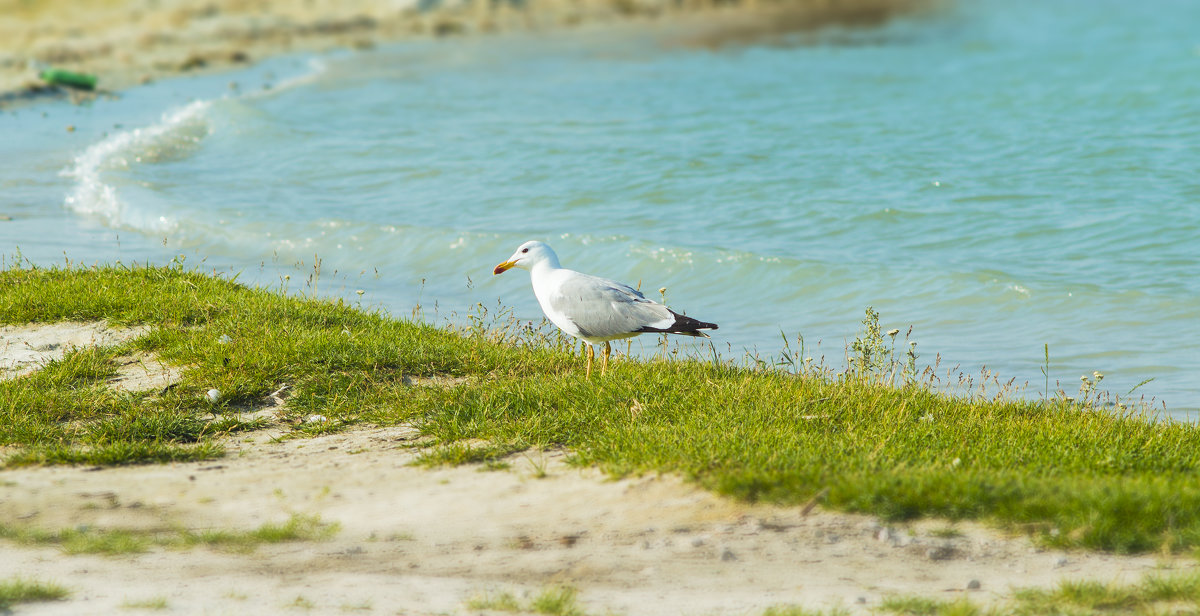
x: 213, y: 415
x: 125, y: 43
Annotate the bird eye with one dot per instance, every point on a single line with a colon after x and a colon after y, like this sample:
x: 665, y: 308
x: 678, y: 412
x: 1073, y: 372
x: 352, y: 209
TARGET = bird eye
x: 524, y: 250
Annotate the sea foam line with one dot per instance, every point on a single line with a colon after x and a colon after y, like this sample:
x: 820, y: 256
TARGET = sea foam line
x: 178, y: 130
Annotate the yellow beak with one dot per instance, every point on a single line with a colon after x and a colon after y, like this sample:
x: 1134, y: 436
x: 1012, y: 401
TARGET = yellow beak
x: 503, y: 267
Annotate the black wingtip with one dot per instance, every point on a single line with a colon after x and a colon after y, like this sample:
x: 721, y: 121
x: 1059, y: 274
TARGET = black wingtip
x: 684, y: 326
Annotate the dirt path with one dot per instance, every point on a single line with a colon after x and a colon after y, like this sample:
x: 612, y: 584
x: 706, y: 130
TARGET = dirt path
x: 418, y: 541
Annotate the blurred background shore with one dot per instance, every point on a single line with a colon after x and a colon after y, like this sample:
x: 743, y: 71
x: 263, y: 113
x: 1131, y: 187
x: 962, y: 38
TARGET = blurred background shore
x: 127, y: 42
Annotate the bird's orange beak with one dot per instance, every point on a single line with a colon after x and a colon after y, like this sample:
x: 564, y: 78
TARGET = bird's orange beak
x: 503, y: 267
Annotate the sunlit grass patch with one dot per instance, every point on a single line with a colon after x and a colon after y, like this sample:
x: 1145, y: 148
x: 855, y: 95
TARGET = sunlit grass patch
x: 455, y: 453
x: 117, y: 542
x: 924, y: 606
x: 553, y: 600
x: 1153, y: 594
x: 19, y: 590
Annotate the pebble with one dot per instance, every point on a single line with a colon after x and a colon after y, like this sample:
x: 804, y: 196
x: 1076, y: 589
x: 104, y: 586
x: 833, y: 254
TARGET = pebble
x: 974, y: 585
x: 213, y: 395
x: 727, y: 555
x: 1060, y: 562
x: 316, y: 419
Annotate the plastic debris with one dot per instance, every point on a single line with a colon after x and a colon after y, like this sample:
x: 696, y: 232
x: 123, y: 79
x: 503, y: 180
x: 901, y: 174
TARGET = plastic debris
x: 70, y: 79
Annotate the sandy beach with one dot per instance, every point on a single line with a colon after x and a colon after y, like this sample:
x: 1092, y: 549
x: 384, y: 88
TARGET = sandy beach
x: 130, y: 42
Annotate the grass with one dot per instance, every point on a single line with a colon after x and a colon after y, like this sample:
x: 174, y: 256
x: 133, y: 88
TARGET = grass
x: 554, y: 601
x: 14, y: 591
x: 1154, y: 594
x: 86, y: 540
x: 874, y: 438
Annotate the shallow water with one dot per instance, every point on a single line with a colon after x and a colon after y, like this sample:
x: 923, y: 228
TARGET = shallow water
x: 999, y: 176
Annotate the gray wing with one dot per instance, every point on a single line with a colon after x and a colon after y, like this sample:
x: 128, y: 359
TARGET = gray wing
x: 603, y: 308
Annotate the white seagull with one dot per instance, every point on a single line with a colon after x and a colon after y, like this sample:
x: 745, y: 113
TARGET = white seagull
x: 594, y: 309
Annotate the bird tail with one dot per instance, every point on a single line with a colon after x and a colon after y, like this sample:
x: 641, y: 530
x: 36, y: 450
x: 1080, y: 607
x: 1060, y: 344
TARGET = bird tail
x: 683, y: 325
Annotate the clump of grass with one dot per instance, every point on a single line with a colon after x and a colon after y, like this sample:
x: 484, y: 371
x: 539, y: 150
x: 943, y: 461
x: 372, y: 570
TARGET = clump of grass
x: 82, y: 539
x: 554, y: 600
x: 116, y: 542
x: 14, y: 591
x: 500, y: 602
x: 464, y: 453
x: 882, y: 437
x: 296, y: 528
x: 924, y: 606
x: 1154, y: 594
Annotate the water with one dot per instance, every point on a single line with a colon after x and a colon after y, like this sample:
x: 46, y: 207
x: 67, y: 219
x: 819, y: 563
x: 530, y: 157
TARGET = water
x: 1001, y: 176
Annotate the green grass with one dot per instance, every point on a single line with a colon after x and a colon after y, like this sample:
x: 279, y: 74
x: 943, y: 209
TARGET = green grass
x: 110, y: 542
x: 14, y: 591
x: 1154, y: 594
x: 554, y: 601
x: 878, y: 439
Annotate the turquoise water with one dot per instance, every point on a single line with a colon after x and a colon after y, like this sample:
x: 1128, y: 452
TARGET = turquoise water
x: 1001, y: 176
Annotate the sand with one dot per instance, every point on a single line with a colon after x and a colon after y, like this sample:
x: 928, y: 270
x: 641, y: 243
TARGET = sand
x: 420, y: 541
x: 127, y: 42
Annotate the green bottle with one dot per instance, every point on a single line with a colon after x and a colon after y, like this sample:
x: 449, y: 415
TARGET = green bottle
x: 59, y: 77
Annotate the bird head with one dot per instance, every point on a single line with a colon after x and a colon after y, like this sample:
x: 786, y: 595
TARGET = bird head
x: 527, y: 256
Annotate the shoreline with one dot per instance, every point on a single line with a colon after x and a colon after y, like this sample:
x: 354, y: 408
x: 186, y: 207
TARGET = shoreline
x: 132, y: 42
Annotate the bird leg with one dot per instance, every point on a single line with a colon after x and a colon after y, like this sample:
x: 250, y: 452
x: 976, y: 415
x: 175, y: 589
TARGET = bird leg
x: 607, y: 351
x: 591, y: 352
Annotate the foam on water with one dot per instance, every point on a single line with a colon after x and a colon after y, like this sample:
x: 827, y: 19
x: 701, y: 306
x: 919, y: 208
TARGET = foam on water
x: 97, y: 171
x: 177, y: 134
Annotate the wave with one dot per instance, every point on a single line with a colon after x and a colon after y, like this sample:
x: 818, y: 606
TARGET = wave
x: 176, y: 136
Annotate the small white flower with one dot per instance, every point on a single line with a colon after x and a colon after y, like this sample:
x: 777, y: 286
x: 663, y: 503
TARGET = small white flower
x: 1084, y: 378
x: 360, y: 292
x: 213, y: 396
x: 1097, y: 375
x: 955, y: 462
x: 893, y: 332
x: 316, y: 419
x: 224, y: 339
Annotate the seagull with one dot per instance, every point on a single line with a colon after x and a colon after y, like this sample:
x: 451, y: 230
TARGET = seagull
x: 594, y: 309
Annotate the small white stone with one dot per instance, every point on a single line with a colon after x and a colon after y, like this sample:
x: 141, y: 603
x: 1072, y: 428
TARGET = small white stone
x: 213, y: 396
x: 224, y: 339
x: 316, y: 419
